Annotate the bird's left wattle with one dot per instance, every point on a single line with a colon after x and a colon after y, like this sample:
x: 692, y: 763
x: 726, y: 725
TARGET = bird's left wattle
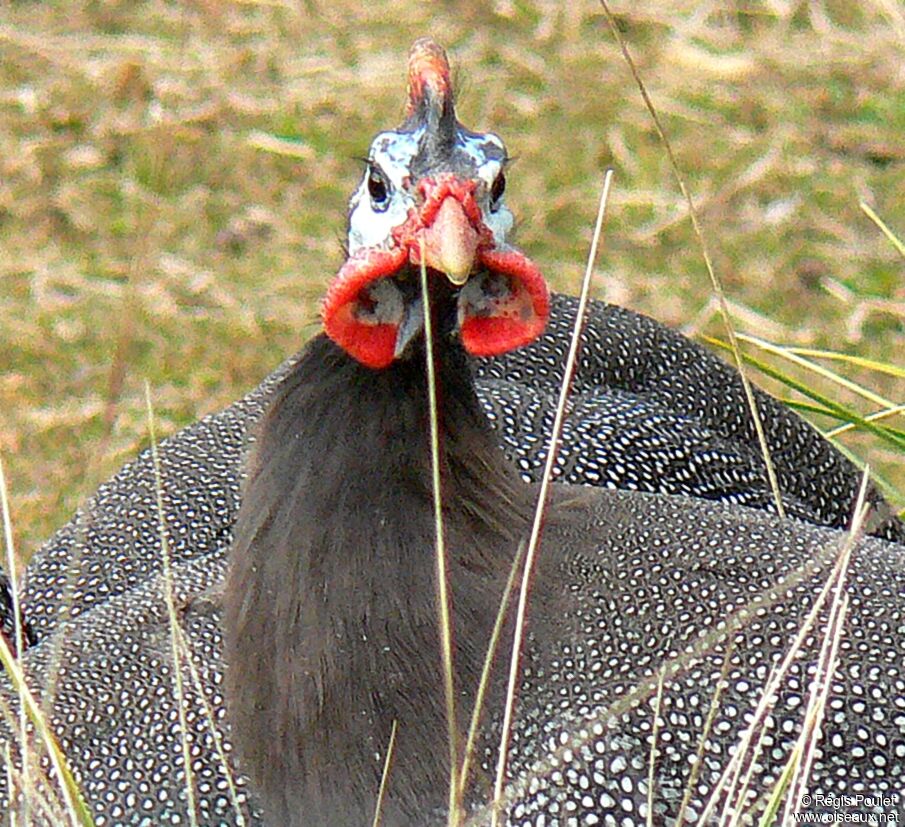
x: 505, y: 307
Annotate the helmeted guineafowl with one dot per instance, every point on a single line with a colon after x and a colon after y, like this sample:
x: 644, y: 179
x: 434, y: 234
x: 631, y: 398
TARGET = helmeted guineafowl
x: 652, y: 411
x: 627, y: 581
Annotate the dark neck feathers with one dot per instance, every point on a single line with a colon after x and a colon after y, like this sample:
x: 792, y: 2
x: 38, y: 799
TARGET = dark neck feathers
x: 330, y: 606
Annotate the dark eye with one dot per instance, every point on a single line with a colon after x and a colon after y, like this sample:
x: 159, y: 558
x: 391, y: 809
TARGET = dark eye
x: 497, y: 190
x: 377, y: 189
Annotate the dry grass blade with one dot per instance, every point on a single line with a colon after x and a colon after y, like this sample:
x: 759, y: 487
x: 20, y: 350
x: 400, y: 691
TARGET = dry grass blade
x: 714, y: 279
x: 172, y: 615
x: 797, y: 770
x: 652, y: 761
x: 826, y: 664
x: 378, y: 807
x: 211, y: 720
x: 8, y: 770
x: 455, y: 808
x: 705, y: 734
x: 883, y: 228
x: 280, y: 146
x: 876, y: 416
x: 58, y: 641
x: 485, y: 670
x: 729, y: 778
x: 751, y: 748
x: 822, y: 557
x: 76, y: 810
x: 533, y: 542
x: 13, y: 572
x: 44, y: 801
x: 820, y: 691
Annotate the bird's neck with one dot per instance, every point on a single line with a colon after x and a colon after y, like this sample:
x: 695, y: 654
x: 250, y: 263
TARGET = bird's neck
x: 331, y: 610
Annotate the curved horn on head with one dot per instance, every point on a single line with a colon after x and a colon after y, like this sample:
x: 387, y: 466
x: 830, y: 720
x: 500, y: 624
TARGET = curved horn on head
x: 430, y: 98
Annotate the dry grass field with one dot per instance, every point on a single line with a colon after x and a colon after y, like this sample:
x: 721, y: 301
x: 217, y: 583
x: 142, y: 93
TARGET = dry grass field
x: 174, y: 175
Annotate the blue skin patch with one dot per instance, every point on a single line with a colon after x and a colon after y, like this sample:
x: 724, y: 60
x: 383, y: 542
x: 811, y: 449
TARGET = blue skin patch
x: 393, y: 154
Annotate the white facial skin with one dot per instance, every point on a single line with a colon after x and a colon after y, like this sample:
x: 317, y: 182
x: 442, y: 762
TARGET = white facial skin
x: 372, y: 220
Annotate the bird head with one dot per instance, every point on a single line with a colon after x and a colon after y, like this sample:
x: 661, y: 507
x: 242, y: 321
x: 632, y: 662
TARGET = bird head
x: 433, y: 192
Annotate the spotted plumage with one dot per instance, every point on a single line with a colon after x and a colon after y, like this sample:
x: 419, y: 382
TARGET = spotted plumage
x: 661, y: 570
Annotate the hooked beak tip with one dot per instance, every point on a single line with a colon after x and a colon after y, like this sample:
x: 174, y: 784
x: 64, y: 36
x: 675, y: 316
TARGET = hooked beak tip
x: 456, y: 273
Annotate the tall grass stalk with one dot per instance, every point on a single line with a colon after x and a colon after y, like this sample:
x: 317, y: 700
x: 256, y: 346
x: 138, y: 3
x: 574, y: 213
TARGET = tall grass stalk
x: 652, y: 758
x: 821, y: 683
x: 714, y: 278
x: 546, y: 479
x: 12, y: 569
x: 211, y: 721
x: 445, y: 603
x: 484, y: 681
x: 729, y: 778
x: 384, y: 776
x: 876, y: 416
x: 73, y: 803
x: 893, y: 238
x: 168, y: 587
x: 705, y: 732
x: 672, y: 668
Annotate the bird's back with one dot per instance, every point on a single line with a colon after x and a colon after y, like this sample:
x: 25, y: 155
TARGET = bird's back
x: 711, y: 597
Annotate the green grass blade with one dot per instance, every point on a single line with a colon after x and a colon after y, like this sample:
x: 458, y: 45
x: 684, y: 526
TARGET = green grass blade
x: 850, y: 359
x: 886, y: 435
x: 790, y: 355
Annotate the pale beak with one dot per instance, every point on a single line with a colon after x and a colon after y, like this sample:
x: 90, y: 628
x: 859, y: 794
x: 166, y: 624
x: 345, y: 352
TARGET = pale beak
x: 450, y: 242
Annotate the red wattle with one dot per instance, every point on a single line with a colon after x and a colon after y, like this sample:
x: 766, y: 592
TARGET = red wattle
x: 510, y: 326
x: 372, y: 344
x: 510, y: 322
